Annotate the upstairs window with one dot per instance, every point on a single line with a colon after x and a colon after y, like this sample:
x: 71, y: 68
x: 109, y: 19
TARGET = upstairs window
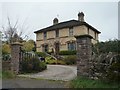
x: 57, y: 33
x: 45, y: 35
x: 71, y: 31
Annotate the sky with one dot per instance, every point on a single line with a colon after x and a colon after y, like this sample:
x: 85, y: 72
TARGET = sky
x: 33, y: 16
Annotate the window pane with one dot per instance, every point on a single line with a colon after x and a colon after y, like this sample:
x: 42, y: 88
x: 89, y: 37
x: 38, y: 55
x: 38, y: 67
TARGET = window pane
x: 45, y: 35
x: 70, y: 31
x: 71, y: 46
x: 57, y: 33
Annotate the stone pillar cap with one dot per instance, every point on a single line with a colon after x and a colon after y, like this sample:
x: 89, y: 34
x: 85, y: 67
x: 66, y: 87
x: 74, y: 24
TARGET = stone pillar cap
x: 83, y: 36
x: 17, y: 43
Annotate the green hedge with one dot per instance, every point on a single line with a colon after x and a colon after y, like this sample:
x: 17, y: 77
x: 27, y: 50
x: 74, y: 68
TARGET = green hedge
x: 32, y: 65
x: 41, y: 54
x: 70, y: 60
x: 67, y: 52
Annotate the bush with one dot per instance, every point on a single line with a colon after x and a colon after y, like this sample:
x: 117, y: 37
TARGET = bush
x: 32, y: 65
x: 113, y: 74
x: 50, y: 60
x: 107, y: 46
x: 61, y: 62
x: 42, y: 66
x: 67, y: 52
x: 41, y: 54
x: 69, y: 60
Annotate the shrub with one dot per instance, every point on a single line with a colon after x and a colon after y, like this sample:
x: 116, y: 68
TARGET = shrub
x: 69, y: 60
x: 41, y: 54
x: 107, y: 46
x: 42, y: 66
x: 113, y: 74
x: 61, y: 62
x: 50, y: 60
x: 32, y: 65
x: 67, y: 52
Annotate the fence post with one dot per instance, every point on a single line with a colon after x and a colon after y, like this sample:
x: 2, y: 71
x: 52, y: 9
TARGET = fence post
x: 84, y: 53
x: 15, y: 56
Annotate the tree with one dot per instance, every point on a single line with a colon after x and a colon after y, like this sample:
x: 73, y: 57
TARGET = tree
x: 13, y: 33
x: 6, y: 49
x: 29, y: 45
x: 107, y: 46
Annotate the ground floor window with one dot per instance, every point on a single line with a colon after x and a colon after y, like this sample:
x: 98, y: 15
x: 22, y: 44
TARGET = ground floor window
x: 45, y: 48
x: 72, y: 46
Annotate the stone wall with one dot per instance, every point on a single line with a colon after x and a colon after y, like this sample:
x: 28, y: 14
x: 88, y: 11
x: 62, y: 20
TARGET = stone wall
x: 6, y: 65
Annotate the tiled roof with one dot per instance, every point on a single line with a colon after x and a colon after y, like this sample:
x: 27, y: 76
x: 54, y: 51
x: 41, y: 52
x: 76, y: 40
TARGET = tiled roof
x: 66, y: 24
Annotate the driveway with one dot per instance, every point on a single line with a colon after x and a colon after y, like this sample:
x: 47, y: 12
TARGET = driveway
x: 55, y: 72
x: 45, y: 79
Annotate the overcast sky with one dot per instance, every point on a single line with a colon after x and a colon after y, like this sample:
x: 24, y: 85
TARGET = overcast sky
x: 37, y: 15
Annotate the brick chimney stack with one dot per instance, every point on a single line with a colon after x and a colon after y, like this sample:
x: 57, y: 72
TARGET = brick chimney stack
x: 81, y: 16
x: 55, y: 21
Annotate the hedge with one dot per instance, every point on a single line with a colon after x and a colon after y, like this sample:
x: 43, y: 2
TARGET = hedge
x: 67, y: 52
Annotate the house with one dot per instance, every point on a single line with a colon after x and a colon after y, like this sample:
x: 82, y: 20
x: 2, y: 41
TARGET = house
x: 60, y: 36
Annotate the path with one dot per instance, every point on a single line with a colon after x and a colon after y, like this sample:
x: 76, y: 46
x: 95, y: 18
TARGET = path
x: 56, y: 72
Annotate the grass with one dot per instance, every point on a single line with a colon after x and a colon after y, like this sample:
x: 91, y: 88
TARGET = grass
x: 82, y: 82
x: 7, y: 74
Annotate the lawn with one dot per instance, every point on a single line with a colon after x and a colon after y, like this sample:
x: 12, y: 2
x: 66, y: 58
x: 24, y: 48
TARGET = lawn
x: 83, y: 82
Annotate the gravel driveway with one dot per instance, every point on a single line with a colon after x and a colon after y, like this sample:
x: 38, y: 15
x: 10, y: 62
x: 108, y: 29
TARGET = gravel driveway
x: 55, y: 72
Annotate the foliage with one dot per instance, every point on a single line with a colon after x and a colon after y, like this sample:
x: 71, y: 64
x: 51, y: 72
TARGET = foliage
x: 8, y: 74
x: 108, y: 46
x: 108, y: 52
x: 41, y: 54
x: 50, y: 60
x: 82, y: 82
x: 6, y: 57
x: 6, y: 49
x: 28, y: 45
x: 32, y: 65
x: 112, y: 73
x: 70, y: 59
x: 66, y: 52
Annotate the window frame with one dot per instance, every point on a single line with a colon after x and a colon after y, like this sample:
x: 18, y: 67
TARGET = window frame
x: 71, y: 31
x: 56, y: 33
x: 45, y: 35
x: 71, y: 46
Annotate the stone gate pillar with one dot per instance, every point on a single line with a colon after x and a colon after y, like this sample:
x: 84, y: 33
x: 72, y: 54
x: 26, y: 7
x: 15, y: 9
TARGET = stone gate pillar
x: 15, y: 56
x: 84, y: 52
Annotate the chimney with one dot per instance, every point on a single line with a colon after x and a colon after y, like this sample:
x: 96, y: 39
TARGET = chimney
x: 81, y: 16
x: 55, y: 21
